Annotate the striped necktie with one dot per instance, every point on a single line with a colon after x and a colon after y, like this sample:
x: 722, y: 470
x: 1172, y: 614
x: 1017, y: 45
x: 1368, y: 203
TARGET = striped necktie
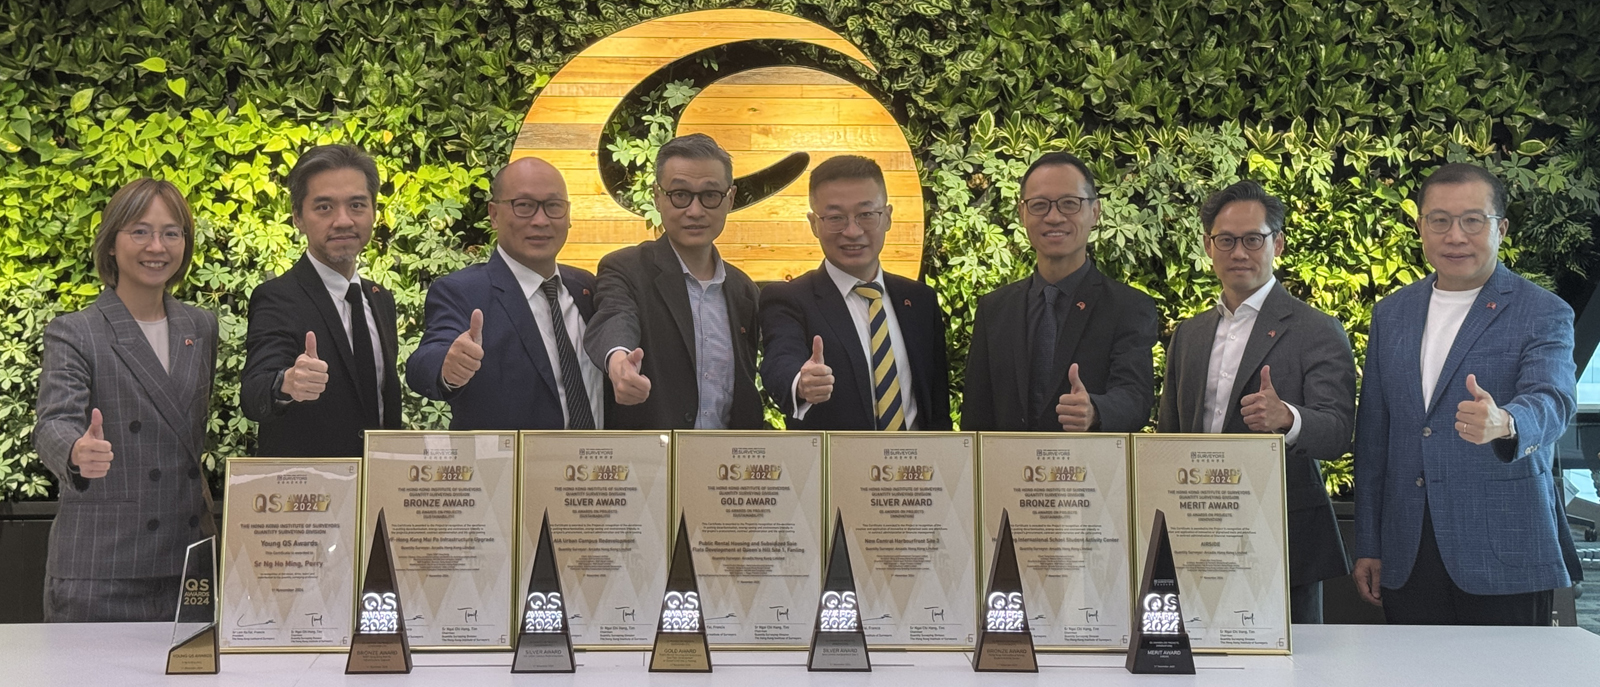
x: 885, y: 387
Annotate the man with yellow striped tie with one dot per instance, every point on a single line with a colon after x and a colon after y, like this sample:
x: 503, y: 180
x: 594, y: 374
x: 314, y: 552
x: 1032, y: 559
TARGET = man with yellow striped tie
x: 847, y: 346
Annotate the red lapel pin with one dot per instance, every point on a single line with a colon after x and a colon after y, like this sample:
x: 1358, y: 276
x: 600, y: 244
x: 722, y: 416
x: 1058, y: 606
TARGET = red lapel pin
x: 1272, y: 333
x: 1491, y: 305
x: 907, y: 302
x: 188, y: 342
x: 374, y: 288
x: 1080, y: 305
x: 741, y: 330
x: 585, y: 292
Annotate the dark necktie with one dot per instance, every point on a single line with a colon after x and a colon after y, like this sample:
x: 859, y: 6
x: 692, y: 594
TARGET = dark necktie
x: 578, y: 413
x: 361, y: 346
x: 1041, y: 384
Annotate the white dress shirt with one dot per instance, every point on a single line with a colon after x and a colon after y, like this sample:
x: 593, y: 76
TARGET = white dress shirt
x: 1446, y: 311
x: 1227, y: 351
x: 338, y: 286
x: 859, y: 307
x: 532, y: 283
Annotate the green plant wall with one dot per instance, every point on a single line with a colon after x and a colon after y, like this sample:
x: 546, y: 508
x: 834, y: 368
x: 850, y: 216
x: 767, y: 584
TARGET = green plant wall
x: 1337, y: 106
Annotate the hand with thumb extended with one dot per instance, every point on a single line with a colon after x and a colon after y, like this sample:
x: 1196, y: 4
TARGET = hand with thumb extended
x: 815, y: 383
x: 630, y: 387
x: 1075, y: 410
x: 1263, y: 411
x: 1481, y: 420
x: 307, y: 379
x: 465, y: 356
x: 91, y: 453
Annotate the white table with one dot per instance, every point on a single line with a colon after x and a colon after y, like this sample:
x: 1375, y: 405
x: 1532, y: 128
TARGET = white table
x: 134, y: 654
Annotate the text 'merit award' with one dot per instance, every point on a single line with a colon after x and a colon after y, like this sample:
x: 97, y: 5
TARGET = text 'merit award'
x: 1005, y: 644
x: 194, y: 630
x: 379, y: 644
x: 544, y: 642
x: 838, y: 643
x: 680, y: 645
x: 1159, y: 644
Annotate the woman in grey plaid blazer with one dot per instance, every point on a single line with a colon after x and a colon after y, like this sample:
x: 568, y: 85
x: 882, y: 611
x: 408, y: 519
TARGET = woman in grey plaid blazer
x: 123, y: 399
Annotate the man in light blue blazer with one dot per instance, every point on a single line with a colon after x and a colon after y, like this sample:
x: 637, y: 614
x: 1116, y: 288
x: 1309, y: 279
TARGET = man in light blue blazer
x: 1469, y: 383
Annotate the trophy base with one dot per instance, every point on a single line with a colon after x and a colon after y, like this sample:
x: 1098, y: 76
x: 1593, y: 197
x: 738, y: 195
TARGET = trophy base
x: 543, y: 653
x: 196, y: 655
x: 1161, y: 657
x: 680, y: 653
x: 839, y: 652
x: 1009, y: 652
x: 375, y: 654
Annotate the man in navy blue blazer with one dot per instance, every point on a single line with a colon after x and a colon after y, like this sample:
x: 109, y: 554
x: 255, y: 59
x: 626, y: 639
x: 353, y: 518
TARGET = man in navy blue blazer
x: 847, y: 346
x: 1469, y: 383
x: 503, y: 340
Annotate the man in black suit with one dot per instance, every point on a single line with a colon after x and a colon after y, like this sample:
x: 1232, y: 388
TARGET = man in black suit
x: 675, y: 326
x: 1067, y: 348
x: 883, y: 333
x: 1263, y: 361
x: 311, y: 390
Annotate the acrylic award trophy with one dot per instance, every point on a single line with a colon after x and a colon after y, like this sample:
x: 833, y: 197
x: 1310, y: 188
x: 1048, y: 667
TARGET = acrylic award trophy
x: 839, y: 642
x: 1005, y: 644
x: 194, y: 630
x: 379, y: 644
x: 1159, y: 644
x: 681, y: 634
x: 544, y: 642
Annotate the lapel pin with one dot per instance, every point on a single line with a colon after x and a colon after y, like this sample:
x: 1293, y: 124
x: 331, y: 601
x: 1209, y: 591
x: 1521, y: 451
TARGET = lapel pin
x: 1491, y: 305
x: 1272, y: 333
x: 1081, y: 305
x: 374, y: 288
x: 585, y: 292
x: 188, y: 342
x: 742, y: 330
x: 907, y: 302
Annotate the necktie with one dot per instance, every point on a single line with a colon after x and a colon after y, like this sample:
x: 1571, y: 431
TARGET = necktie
x: 578, y: 413
x: 361, y: 346
x: 1041, y: 383
x: 885, y: 387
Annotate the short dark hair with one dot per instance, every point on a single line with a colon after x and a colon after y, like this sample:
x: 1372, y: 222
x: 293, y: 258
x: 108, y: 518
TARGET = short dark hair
x: 849, y: 167
x: 327, y: 158
x: 127, y: 206
x: 693, y: 147
x: 1060, y: 159
x: 1465, y: 173
x: 1242, y: 192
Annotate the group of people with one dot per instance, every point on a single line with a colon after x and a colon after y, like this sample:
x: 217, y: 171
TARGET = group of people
x: 1469, y: 378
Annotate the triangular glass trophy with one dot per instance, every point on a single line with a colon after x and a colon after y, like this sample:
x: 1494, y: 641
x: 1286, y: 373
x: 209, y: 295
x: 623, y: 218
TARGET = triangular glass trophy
x: 681, y: 633
x: 544, y: 641
x: 194, y: 630
x: 1159, y: 643
x: 1005, y: 644
x: 379, y: 644
x: 838, y: 641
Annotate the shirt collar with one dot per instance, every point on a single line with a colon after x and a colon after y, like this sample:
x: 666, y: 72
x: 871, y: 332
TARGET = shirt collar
x: 847, y: 283
x: 717, y: 277
x: 1253, y: 302
x: 529, y: 280
x: 332, y: 279
x: 1066, y: 285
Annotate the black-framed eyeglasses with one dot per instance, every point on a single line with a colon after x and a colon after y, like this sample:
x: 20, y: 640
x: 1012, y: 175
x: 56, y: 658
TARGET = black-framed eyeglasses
x: 836, y: 224
x: 1473, y: 222
x: 554, y: 208
x: 1252, y: 242
x: 681, y: 199
x: 1068, y: 205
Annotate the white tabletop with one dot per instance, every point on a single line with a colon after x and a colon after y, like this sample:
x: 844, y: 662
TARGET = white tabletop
x: 134, y: 654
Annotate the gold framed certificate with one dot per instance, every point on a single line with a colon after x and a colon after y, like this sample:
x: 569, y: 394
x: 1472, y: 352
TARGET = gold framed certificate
x: 289, y: 553
x: 909, y: 505
x: 753, y: 503
x: 1067, y: 498
x: 1224, y: 498
x: 450, y: 501
x: 609, y: 498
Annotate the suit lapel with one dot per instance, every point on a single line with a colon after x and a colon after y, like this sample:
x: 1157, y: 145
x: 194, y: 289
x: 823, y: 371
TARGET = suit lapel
x: 508, y: 292
x: 134, y: 350
x: 183, y: 352
x: 1080, y: 308
x: 1271, y: 323
x: 836, y: 315
x: 903, y: 314
x: 1413, y: 317
x: 1492, y: 300
x: 1012, y: 324
x: 1196, y: 369
x: 669, y: 283
x: 315, y: 289
x: 581, y: 291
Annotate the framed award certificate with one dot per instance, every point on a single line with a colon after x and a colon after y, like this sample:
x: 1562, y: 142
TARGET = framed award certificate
x: 450, y: 500
x: 1224, y: 498
x: 289, y: 553
x: 1067, y: 498
x: 909, y: 505
x: 609, y: 498
x: 753, y: 505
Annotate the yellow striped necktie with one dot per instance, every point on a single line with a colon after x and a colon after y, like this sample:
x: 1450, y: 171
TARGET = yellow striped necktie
x: 885, y: 387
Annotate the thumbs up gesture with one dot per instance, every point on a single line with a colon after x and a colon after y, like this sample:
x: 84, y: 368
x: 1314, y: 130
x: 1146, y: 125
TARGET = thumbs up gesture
x: 91, y: 452
x: 631, y: 387
x: 1075, y: 410
x: 1263, y: 411
x: 1480, y: 420
x: 816, y: 378
x: 465, y: 356
x: 309, y: 376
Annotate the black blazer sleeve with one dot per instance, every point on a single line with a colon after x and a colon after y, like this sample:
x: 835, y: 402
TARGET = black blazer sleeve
x: 784, y: 343
x: 1167, y: 416
x: 1328, y: 410
x: 270, y: 348
x: 937, y: 376
x: 1130, y: 384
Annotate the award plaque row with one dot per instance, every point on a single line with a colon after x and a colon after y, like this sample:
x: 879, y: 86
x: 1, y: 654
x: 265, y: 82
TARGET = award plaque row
x: 753, y: 513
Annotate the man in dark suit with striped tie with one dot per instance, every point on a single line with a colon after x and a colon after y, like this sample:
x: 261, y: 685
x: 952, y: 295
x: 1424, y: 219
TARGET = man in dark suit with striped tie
x: 847, y: 346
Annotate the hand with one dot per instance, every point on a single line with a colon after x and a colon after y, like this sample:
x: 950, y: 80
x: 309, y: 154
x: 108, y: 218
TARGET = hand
x: 1479, y: 420
x: 309, y: 376
x: 1075, y: 411
x: 1264, y: 411
x: 816, y: 378
x: 1368, y: 573
x: 91, y: 452
x: 631, y: 387
x: 465, y: 356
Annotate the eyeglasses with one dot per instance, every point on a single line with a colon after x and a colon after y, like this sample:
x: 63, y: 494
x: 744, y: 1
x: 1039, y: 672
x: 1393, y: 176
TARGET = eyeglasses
x: 142, y: 237
x: 1473, y: 222
x: 555, y: 208
x: 1252, y: 242
x: 868, y: 221
x: 1068, y: 205
x: 709, y: 200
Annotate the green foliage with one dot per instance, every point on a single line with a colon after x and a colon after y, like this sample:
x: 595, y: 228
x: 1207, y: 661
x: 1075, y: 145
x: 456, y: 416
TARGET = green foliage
x: 1337, y: 106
